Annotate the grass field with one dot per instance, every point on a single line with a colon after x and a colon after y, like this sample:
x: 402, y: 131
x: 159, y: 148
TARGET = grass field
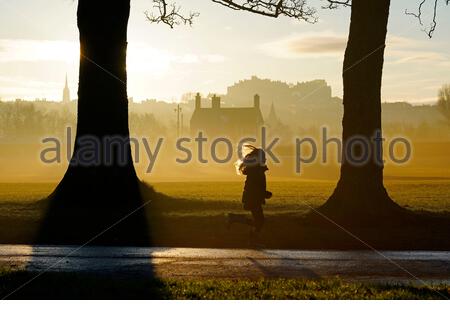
x: 289, y: 196
x: 85, y: 286
x: 202, y: 224
x: 200, y: 219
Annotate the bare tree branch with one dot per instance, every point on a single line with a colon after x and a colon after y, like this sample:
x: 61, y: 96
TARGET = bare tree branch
x: 169, y: 14
x: 334, y: 4
x: 296, y: 9
x: 419, y: 15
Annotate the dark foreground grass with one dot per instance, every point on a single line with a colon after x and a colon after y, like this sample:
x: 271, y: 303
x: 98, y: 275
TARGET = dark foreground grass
x: 88, y: 286
x: 193, y: 214
x: 281, y: 231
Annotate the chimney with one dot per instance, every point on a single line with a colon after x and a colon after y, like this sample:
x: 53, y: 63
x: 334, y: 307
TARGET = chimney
x: 198, y: 101
x: 256, y: 101
x: 215, y: 102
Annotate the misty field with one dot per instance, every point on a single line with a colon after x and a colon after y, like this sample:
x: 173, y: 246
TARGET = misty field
x: 194, y: 215
x: 289, y: 196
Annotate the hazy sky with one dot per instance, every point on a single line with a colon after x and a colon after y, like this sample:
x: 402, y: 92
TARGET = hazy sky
x: 38, y: 45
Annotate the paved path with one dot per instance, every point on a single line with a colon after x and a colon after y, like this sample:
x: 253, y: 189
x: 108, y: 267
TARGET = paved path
x: 385, y: 266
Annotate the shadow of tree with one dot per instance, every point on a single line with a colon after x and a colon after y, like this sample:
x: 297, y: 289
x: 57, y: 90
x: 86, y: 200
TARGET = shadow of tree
x: 171, y: 221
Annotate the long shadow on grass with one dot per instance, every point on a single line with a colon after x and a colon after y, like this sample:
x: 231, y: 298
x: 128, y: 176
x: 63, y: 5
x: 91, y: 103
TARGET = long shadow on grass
x: 423, y: 230
x: 81, y: 286
x: 79, y: 237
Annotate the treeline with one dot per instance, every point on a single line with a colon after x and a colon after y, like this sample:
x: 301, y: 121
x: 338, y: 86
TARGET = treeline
x: 24, y: 120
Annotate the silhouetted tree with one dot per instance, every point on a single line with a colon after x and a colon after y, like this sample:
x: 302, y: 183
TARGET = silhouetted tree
x: 360, y: 188
x: 102, y: 112
x: 360, y: 192
x: 99, y: 198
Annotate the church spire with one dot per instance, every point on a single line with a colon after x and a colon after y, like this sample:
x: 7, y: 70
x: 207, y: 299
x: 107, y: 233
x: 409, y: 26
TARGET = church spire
x: 66, y: 92
x: 272, y: 118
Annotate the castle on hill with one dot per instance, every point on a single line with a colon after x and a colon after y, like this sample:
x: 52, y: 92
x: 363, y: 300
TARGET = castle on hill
x: 300, y: 94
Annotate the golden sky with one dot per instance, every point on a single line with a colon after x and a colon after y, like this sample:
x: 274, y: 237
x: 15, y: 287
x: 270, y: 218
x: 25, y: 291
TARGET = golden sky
x: 38, y: 46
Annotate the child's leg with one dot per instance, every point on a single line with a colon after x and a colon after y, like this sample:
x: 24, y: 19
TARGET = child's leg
x: 258, y: 218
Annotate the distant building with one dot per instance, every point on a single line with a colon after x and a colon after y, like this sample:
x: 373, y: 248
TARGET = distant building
x: 234, y: 123
x: 66, y: 93
x: 272, y: 119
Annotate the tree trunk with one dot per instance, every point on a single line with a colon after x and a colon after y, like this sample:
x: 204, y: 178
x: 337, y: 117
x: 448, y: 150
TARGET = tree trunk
x: 95, y: 194
x: 360, y: 190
